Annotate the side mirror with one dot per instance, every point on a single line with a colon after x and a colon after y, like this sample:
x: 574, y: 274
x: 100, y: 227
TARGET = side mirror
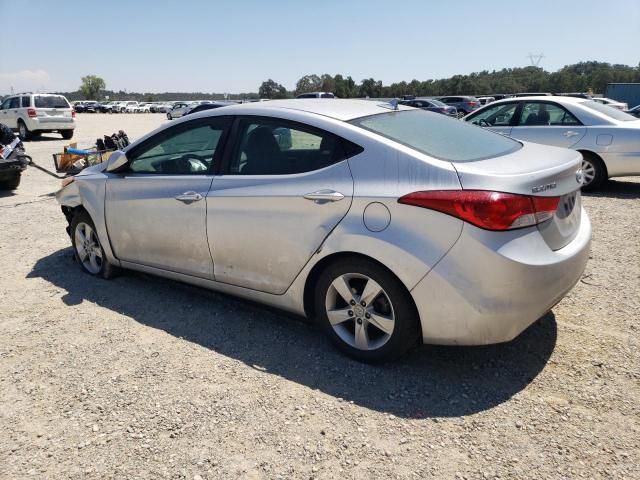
x: 116, y: 161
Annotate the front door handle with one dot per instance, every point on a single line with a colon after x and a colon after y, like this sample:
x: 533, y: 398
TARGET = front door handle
x: 570, y: 133
x: 189, y: 197
x: 323, y: 196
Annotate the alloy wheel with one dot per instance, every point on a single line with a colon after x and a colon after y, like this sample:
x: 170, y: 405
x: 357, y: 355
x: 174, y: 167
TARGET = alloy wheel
x: 88, y: 248
x: 588, y: 172
x: 22, y: 130
x: 360, y: 311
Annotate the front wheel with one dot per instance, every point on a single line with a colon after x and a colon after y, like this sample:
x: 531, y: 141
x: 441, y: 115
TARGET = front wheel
x: 366, y: 311
x: 87, y: 248
x: 66, y: 134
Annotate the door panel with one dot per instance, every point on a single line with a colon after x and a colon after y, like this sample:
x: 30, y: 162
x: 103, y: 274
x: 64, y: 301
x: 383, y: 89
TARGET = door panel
x: 156, y: 211
x: 262, y: 230
x: 557, y: 136
x: 148, y: 225
x: 548, y: 123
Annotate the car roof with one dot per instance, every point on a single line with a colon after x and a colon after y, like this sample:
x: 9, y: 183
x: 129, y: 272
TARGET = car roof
x: 548, y: 98
x: 339, y: 109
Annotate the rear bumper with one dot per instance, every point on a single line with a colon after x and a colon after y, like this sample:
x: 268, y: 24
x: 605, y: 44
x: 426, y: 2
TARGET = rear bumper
x: 491, y: 286
x: 35, y: 124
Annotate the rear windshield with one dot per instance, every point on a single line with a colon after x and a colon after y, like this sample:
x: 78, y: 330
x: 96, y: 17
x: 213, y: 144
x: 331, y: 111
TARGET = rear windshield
x: 437, y: 136
x: 50, y: 101
x: 608, y: 111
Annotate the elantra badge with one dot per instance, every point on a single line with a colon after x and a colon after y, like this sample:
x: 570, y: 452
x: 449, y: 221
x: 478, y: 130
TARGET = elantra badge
x: 544, y: 188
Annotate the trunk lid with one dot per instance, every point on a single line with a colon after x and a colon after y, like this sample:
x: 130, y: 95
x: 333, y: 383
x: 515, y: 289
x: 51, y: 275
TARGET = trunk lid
x: 534, y: 170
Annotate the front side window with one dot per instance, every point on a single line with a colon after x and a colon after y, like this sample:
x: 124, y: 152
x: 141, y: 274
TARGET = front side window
x: 546, y: 114
x: 50, y: 101
x: 438, y: 136
x: 15, y: 102
x: 495, y: 116
x: 187, y: 150
x: 279, y: 147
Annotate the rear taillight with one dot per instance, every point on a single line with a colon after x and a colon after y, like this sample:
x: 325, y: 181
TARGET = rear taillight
x: 488, y: 210
x: 472, y: 104
x: 73, y: 113
x: 31, y: 112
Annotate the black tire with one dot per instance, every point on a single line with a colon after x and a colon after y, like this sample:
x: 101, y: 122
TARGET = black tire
x: 169, y: 116
x: 10, y: 183
x: 406, y: 330
x: 106, y: 269
x: 23, y: 131
x: 66, y: 134
x: 591, y: 161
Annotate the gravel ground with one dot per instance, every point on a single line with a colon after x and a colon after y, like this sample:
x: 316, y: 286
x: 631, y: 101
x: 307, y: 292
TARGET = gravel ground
x: 141, y: 377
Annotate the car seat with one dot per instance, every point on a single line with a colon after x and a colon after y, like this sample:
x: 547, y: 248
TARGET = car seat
x: 262, y: 153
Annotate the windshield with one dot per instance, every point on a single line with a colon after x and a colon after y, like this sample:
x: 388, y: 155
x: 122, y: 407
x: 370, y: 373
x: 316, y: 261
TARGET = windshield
x: 438, y: 136
x: 437, y: 103
x: 608, y: 111
x: 50, y: 101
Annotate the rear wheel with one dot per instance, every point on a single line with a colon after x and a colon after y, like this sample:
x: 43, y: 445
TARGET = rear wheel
x: 593, y: 172
x: 23, y: 131
x: 169, y: 116
x: 87, y: 248
x: 366, y: 311
x: 66, y: 134
x: 10, y: 183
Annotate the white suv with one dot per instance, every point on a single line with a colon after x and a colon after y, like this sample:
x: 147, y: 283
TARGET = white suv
x: 31, y: 114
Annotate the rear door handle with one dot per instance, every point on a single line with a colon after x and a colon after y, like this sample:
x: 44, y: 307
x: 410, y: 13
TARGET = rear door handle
x: 323, y: 196
x: 189, y: 197
x: 570, y: 133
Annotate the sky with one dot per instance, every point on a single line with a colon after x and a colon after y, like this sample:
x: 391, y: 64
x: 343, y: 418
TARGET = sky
x: 234, y: 45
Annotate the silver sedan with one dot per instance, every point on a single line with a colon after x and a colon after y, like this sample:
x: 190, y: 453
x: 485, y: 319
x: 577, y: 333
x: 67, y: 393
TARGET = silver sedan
x: 388, y: 225
x: 608, y: 139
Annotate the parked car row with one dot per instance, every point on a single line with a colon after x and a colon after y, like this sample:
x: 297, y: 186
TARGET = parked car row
x: 607, y: 138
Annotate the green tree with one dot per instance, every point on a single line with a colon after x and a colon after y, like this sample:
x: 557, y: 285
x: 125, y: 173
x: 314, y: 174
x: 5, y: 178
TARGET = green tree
x: 308, y: 83
x: 272, y: 89
x: 91, y: 86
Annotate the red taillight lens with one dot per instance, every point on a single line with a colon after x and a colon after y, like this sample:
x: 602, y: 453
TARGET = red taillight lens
x: 488, y: 210
x: 32, y: 112
x: 73, y: 113
x: 472, y: 104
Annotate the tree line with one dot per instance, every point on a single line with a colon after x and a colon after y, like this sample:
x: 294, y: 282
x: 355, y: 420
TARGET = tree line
x: 589, y: 76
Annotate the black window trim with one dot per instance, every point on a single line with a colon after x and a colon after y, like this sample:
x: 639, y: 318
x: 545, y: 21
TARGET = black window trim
x: 215, y: 166
x: 349, y: 148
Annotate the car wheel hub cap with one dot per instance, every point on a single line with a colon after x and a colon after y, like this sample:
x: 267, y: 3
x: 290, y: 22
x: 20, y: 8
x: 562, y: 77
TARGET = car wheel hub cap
x: 588, y: 172
x: 88, y: 248
x: 360, y: 311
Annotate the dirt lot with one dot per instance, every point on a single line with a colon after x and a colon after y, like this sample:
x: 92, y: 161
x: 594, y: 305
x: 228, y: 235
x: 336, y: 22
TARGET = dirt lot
x: 141, y: 377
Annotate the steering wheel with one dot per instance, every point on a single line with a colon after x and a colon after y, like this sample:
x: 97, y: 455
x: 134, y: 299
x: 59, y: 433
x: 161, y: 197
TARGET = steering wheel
x: 196, y: 163
x: 483, y: 123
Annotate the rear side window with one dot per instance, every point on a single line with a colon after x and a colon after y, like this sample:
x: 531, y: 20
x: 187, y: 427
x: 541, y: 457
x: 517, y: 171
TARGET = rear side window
x: 608, y: 111
x: 280, y: 147
x: 50, y: 101
x: 438, y: 136
x: 26, y: 102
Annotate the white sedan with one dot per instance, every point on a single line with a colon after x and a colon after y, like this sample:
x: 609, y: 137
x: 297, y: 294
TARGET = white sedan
x: 611, y: 103
x: 608, y: 139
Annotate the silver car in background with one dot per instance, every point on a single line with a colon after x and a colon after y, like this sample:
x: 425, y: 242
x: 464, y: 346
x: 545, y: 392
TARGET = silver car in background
x: 608, y: 139
x: 388, y: 225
